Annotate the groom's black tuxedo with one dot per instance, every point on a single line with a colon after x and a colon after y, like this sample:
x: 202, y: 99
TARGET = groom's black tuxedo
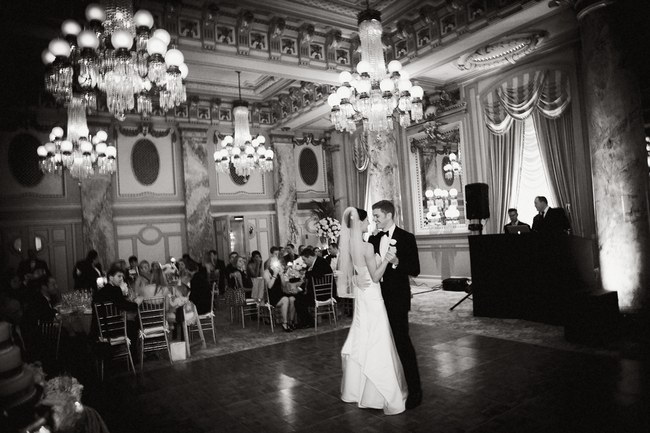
x: 396, y: 291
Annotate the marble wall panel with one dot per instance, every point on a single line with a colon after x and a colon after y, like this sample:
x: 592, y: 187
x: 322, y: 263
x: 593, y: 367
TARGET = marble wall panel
x: 286, y: 195
x: 196, y: 163
x: 384, y: 171
x: 97, y: 216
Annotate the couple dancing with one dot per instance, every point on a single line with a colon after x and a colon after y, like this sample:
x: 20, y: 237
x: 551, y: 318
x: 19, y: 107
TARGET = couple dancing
x: 379, y: 364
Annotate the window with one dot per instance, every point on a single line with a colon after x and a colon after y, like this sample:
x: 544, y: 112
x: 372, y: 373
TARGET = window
x: 533, y: 179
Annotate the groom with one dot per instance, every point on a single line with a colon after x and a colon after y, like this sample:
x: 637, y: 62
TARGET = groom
x: 396, y: 290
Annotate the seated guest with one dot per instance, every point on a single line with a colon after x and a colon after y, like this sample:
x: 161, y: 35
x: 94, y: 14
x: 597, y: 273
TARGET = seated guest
x: 514, y: 220
x: 240, y: 278
x: 116, y: 291
x: 255, y: 265
x: 219, y: 272
x: 316, y: 267
x: 144, y: 276
x: 132, y: 273
x: 332, y: 255
x: 550, y: 220
x: 289, y: 254
x: 200, y: 290
x: 158, y: 285
x: 274, y: 280
x: 231, y: 267
x: 274, y: 255
x: 40, y: 307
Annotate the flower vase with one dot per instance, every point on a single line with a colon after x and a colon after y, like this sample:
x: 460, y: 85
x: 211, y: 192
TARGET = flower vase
x: 323, y: 242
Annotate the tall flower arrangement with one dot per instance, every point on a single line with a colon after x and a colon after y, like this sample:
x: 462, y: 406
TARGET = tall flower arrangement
x: 329, y: 228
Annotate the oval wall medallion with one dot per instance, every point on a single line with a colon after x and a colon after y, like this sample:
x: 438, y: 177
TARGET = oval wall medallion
x: 505, y: 51
x: 308, y: 164
x: 150, y: 235
x: 145, y: 161
x: 23, y: 160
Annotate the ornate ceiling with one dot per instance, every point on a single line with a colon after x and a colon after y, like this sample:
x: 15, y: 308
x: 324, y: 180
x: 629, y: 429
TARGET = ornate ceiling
x: 290, y: 51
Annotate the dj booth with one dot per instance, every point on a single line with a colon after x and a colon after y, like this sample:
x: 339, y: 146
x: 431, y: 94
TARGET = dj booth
x: 530, y: 276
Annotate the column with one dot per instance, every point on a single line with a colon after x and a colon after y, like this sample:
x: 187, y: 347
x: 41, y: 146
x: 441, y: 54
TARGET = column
x: 197, y: 160
x: 286, y: 196
x: 97, y: 218
x: 618, y: 159
x: 384, y: 171
x: 336, y: 175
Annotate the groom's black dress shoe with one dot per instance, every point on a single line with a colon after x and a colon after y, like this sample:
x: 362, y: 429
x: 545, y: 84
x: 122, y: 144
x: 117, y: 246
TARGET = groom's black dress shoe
x: 414, y: 400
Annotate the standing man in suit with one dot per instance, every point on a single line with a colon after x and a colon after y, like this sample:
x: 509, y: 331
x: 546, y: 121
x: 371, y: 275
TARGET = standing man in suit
x: 550, y: 220
x: 514, y: 220
x: 396, y: 290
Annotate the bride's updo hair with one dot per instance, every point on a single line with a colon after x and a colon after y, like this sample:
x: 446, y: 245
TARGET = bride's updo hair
x: 362, y: 216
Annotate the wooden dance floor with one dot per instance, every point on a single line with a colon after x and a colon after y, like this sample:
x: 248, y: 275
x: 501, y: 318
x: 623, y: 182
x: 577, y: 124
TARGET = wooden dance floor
x: 471, y: 384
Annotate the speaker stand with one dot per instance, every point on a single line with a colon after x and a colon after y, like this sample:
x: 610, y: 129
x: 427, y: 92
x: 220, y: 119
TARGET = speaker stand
x: 467, y: 296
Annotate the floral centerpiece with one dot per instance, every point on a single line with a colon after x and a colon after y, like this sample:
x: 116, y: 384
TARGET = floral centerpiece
x: 329, y: 228
x: 295, y: 270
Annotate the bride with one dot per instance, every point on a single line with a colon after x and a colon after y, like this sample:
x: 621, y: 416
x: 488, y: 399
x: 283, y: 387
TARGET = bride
x: 372, y: 371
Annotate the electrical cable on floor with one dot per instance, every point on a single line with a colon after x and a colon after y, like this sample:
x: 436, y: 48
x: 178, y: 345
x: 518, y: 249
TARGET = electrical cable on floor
x: 430, y: 289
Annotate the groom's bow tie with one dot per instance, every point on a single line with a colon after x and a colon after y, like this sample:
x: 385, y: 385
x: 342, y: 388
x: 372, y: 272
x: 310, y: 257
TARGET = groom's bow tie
x: 380, y: 234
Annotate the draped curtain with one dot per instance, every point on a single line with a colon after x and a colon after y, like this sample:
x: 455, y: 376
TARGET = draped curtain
x: 545, y: 95
x: 505, y: 153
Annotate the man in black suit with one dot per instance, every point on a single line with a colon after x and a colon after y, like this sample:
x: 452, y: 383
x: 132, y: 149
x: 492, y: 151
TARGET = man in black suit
x: 514, y: 220
x: 316, y: 267
x: 332, y: 255
x: 200, y: 292
x: 396, y: 290
x: 550, y: 220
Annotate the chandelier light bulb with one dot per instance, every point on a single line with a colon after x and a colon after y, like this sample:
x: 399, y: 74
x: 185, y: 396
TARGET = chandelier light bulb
x: 394, y: 66
x: 174, y: 57
x: 156, y: 46
x: 261, y: 151
x: 95, y: 12
x: 70, y: 28
x: 345, y: 77
x: 404, y: 85
x: 57, y: 131
x: 100, y: 148
x: 386, y: 85
x: 250, y: 150
x: 228, y: 139
x: 163, y: 35
x: 59, y: 47
x: 334, y: 100
x: 255, y: 142
x: 417, y: 92
x: 88, y: 39
x: 85, y: 146
x: 428, y: 193
x: 66, y: 146
x: 363, y: 67
x: 344, y: 92
x: 261, y: 139
x: 143, y: 18
x: 101, y: 135
x: 41, y: 152
x: 184, y: 70
x: 404, y: 75
x: 111, y: 152
x: 269, y: 154
x: 47, y: 57
x: 122, y: 39
x: 50, y: 148
x: 453, y: 193
x: 363, y: 86
x: 452, y: 156
x: 146, y: 85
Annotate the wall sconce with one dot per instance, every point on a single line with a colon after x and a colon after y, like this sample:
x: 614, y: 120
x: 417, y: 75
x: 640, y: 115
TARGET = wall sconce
x: 443, y: 207
x: 452, y: 167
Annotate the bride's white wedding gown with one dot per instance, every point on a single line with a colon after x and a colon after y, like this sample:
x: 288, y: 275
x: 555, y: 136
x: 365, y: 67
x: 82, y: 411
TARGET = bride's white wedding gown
x: 372, y: 371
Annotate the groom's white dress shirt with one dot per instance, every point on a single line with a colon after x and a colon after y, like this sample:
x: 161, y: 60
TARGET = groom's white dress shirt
x: 385, y: 241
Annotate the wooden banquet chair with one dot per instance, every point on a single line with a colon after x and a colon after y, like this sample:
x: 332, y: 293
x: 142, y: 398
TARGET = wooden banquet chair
x: 50, y: 336
x: 206, y: 321
x: 112, y: 332
x: 324, y: 301
x: 266, y: 311
x: 153, y: 335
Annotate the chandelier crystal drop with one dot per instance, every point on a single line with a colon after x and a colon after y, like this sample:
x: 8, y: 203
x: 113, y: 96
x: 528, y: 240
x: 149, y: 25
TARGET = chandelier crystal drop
x: 83, y: 155
x: 245, y: 153
x: 374, y: 95
x: 115, y: 52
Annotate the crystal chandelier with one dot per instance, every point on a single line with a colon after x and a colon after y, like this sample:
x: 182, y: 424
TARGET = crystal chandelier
x: 245, y: 153
x: 442, y: 206
x: 82, y: 154
x: 115, y: 53
x: 372, y: 94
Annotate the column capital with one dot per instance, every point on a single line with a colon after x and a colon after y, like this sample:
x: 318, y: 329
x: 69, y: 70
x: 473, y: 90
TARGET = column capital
x: 193, y: 131
x: 282, y: 138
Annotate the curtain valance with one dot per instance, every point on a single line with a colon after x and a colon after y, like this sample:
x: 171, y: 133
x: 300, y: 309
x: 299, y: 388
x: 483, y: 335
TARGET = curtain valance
x: 547, y: 91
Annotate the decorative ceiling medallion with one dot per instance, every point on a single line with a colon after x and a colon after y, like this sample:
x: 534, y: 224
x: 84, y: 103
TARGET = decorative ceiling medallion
x: 506, y: 51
